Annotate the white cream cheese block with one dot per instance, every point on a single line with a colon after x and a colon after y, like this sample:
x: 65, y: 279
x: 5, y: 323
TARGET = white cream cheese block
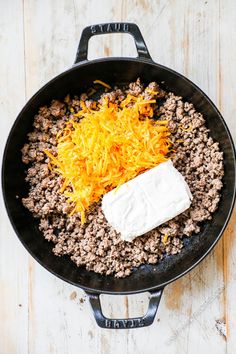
x: 147, y: 201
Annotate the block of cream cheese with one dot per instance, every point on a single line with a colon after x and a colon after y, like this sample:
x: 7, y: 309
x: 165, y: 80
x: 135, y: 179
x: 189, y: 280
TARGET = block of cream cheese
x: 147, y: 201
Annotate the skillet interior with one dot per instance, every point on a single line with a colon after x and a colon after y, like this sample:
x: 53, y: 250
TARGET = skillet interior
x: 114, y: 71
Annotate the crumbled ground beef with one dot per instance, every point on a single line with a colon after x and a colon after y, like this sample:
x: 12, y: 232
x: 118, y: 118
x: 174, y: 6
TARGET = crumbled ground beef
x: 96, y: 245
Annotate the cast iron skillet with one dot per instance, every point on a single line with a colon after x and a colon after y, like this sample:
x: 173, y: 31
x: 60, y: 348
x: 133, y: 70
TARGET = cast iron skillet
x: 114, y: 71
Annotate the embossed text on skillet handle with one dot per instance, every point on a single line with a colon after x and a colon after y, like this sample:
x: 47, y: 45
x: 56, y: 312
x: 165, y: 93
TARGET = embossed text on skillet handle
x: 114, y: 27
x: 137, y: 322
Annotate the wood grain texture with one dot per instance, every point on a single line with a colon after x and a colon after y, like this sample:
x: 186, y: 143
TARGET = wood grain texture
x: 42, y: 314
x: 13, y: 257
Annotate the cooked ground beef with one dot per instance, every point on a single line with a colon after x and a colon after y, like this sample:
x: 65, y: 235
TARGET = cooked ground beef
x: 96, y: 245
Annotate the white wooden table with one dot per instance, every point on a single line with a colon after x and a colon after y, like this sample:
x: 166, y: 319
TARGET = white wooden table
x: 40, y: 314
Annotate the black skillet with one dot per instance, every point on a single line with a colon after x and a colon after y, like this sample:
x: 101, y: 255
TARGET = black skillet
x: 114, y: 71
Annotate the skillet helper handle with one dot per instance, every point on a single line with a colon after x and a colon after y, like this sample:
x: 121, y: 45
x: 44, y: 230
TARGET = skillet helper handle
x: 107, y: 28
x: 136, y: 322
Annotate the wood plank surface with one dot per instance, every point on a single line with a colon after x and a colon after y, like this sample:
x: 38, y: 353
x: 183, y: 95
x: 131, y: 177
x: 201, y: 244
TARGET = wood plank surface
x: 13, y: 257
x: 42, y: 314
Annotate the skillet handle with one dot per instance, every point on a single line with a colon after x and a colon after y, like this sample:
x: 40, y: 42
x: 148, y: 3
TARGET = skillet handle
x: 106, y: 28
x: 136, y: 322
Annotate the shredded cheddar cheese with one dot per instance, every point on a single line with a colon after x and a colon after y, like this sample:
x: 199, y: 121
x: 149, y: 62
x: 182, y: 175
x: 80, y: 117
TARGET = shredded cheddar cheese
x: 91, y: 91
x: 111, y: 145
x: 165, y: 239
x: 186, y: 129
x: 151, y: 91
x: 102, y: 83
x: 148, y: 102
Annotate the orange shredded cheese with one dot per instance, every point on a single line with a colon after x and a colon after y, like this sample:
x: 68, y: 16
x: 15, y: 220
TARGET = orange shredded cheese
x: 146, y: 102
x: 186, y: 129
x: 152, y: 92
x: 108, y: 147
x: 165, y: 239
x: 67, y: 99
x: 91, y: 91
x: 102, y: 83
